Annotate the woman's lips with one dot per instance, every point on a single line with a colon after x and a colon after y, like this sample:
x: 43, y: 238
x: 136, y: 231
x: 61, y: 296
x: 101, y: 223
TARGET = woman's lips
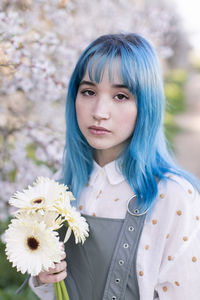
x: 97, y: 130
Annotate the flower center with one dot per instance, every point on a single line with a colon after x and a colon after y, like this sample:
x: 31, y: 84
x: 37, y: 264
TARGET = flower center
x: 32, y: 243
x: 37, y: 200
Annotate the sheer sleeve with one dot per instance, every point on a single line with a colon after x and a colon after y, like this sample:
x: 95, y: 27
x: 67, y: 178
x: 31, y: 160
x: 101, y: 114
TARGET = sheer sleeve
x: 43, y: 291
x: 169, y: 251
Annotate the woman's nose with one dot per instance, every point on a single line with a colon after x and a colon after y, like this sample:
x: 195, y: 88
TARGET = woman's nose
x: 101, y: 110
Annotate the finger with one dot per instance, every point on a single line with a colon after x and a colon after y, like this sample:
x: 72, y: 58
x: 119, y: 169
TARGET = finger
x: 60, y: 276
x: 63, y: 256
x: 52, y: 278
x: 58, y: 267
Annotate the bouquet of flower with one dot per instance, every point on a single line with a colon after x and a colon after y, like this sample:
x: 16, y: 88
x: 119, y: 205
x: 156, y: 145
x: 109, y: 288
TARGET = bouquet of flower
x: 32, y: 240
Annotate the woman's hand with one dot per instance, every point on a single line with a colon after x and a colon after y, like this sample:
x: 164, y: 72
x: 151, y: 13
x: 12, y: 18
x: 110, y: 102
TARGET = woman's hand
x: 56, y: 274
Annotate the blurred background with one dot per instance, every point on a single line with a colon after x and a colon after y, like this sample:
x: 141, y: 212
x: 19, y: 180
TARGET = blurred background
x: 40, y: 42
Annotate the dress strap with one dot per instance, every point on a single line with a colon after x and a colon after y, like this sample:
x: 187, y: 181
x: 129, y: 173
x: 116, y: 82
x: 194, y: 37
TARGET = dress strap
x: 124, y: 257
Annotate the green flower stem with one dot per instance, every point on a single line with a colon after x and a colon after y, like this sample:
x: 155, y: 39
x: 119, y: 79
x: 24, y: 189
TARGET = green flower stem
x: 61, y: 291
x: 64, y: 290
x: 60, y: 297
x: 56, y: 290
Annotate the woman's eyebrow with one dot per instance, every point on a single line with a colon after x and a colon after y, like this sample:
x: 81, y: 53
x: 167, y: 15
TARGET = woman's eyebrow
x: 87, y: 82
x: 116, y: 85
x: 121, y: 86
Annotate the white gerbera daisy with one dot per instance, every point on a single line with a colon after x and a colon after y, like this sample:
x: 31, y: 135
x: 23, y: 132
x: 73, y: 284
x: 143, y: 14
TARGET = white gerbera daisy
x: 31, y: 246
x: 42, y: 196
x: 51, y: 219
x: 77, y: 223
x: 69, y: 196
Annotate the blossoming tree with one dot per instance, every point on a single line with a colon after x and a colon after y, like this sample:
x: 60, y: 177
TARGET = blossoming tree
x: 40, y: 42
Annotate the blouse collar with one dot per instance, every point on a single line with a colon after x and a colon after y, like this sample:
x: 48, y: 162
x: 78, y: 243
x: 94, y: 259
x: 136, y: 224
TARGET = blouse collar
x: 111, y: 170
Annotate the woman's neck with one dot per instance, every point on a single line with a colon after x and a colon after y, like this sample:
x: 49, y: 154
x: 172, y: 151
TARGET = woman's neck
x: 102, y: 158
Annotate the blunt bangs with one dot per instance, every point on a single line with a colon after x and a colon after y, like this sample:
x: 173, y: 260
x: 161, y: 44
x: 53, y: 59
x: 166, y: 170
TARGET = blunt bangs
x: 133, y: 61
x: 120, y: 66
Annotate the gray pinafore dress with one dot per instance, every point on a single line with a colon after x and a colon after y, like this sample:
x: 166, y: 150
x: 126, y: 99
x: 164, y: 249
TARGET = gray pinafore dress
x: 104, y: 267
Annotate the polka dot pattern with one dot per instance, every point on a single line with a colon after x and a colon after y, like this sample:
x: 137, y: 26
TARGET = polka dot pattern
x: 185, y: 238
x: 141, y: 273
x: 116, y: 199
x: 146, y: 247
x: 100, y: 192
x: 194, y: 259
x: 80, y: 207
x: 162, y: 196
x: 176, y: 283
x: 154, y: 222
x: 179, y: 212
x: 164, y: 289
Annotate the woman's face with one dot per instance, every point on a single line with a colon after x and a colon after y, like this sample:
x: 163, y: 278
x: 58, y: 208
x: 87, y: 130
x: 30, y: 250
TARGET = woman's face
x: 106, y: 115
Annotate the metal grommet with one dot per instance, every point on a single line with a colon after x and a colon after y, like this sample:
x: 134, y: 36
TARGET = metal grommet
x: 131, y: 228
x: 126, y: 245
x: 135, y: 211
x: 117, y: 280
x: 121, y: 262
x: 114, y: 298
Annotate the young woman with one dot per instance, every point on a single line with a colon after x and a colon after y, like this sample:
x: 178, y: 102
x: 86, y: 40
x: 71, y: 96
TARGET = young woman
x: 143, y: 211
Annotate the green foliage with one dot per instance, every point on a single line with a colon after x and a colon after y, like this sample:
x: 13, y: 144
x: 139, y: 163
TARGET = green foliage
x: 175, y: 97
x: 31, y: 149
x: 10, y: 279
x: 196, y: 63
x: 12, y: 175
x: 174, y: 92
x: 171, y: 128
x: 1, y: 140
x: 31, y: 153
x: 9, y: 294
x: 178, y: 76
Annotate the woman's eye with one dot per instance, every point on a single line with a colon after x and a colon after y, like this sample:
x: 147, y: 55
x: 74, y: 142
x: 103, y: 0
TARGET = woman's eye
x: 87, y: 93
x: 121, y: 97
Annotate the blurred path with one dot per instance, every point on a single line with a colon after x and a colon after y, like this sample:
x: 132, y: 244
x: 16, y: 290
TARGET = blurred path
x: 187, y: 142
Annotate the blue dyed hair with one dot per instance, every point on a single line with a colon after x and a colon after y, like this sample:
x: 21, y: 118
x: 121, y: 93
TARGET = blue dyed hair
x: 146, y: 159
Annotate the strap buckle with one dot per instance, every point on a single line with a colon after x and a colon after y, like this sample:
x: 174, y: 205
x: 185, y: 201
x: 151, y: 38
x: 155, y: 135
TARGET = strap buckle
x: 135, y: 210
